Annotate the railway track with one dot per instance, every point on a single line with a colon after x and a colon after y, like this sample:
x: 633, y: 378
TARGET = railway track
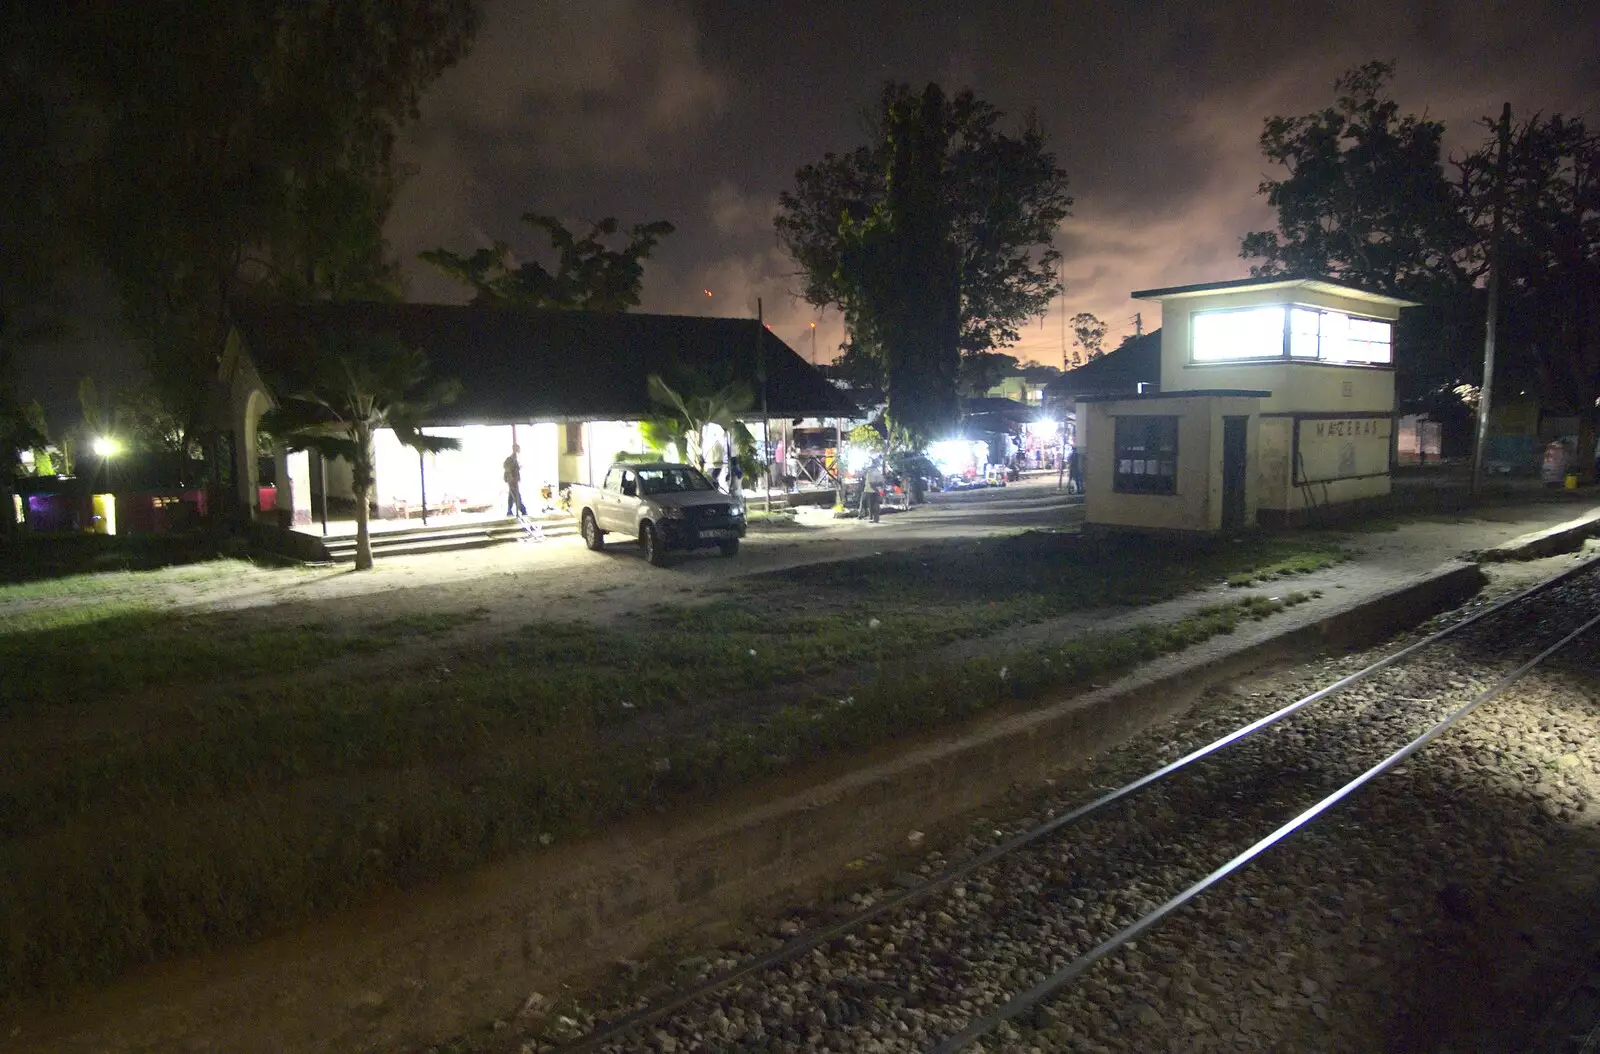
x: 951, y: 958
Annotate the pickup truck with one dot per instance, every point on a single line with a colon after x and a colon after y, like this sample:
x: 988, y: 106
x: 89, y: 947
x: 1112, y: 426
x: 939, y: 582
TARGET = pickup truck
x: 664, y: 506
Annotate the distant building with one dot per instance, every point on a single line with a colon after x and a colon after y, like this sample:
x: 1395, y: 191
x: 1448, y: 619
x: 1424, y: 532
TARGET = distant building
x: 1136, y: 362
x: 1026, y: 385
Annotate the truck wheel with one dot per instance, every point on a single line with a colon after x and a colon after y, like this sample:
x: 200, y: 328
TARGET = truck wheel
x: 593, y: 536
x: 730, y: 547
x: 655, y: 551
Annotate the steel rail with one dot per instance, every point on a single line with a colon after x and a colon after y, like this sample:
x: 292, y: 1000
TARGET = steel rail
x: 809, y: 941
x: 1026, y: 1001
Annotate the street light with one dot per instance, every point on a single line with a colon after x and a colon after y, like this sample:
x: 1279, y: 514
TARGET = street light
x: 105, y: 505
x: 813, y: 343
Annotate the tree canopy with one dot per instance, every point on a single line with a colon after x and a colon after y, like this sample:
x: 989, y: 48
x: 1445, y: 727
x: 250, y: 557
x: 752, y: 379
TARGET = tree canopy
x: 588, y: 276
x: 934, y: 239
x: 1550, y: 261
x: 686, y: 411
x: 1366, y: 200
x: 1089, y: 336
x: 234, y: 145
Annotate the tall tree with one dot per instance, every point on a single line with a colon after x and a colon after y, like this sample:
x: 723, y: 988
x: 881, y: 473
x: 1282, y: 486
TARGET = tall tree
x: 1550, y: 262
x: 588, y: 276
x: 1366, y: 199
x: 996, y: 197
x: 1089, y: 334
x: 1369, y: 200
x: 901, y: 267
x: 241, y: 144
x: 21, y: 428
x: 354, y: 385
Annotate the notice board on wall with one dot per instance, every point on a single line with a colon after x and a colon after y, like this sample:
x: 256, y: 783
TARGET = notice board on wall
x: 1334, y: 448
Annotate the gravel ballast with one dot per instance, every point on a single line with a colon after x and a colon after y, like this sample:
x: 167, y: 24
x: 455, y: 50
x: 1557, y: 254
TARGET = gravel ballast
x: 1422, y: 914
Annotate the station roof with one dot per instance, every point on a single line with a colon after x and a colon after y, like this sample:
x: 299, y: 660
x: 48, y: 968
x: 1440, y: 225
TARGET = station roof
x: 518, y: 364
x: 1321, y: 285
x: 1188, y: 393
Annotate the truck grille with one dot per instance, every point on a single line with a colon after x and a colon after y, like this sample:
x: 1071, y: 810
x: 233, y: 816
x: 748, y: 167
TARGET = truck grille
x: 712, y: 515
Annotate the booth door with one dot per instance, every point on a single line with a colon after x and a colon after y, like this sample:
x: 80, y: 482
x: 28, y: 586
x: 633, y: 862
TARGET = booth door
x: 1234, y: 460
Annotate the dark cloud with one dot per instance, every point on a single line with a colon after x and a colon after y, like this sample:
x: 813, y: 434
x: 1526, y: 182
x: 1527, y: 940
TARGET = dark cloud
x: 556, y: 102
x: 700, y: 113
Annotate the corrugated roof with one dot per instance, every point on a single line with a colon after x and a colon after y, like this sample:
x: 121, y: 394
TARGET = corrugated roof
x: 516, y: 364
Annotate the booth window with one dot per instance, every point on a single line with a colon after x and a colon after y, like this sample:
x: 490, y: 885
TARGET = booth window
x: 1147, y: 455
x: 574, y: 437
x: 1228, y: 336
x: 1307, y: 334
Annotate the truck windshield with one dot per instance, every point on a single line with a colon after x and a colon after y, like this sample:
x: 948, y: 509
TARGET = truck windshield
x: 671, y: 480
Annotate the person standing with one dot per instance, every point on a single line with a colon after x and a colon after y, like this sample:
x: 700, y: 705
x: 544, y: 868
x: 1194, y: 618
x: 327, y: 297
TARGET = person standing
x: 871, y: 499
x: 513, y: 478
x: 1074, y: 471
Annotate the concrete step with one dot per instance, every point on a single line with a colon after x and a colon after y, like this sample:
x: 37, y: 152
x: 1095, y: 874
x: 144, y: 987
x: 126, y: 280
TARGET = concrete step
x: 410, y: 543
x: 447, y: 525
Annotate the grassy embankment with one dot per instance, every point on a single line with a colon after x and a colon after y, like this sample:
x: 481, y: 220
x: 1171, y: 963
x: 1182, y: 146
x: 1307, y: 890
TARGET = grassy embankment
x: 180, y: 781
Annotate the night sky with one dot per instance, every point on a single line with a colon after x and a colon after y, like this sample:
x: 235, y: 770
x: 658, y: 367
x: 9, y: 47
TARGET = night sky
x: 700, y: 113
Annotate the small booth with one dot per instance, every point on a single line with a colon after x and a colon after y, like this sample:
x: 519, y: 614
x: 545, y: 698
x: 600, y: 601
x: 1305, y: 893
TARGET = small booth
x: 1172, y: 461
x: 1276, y: 401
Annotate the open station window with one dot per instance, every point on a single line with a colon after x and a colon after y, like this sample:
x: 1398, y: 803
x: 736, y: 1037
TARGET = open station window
x: 1147, y: 455
x: 1304, y: 334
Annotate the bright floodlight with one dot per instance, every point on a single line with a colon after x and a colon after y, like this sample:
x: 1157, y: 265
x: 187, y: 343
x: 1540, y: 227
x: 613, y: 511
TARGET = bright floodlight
x: 953, y: 456
x: 105, y: 446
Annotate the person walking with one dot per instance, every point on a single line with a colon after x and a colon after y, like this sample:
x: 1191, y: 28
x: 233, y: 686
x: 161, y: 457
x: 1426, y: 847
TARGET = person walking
x: 1074, y: 471
x: 513, y: 478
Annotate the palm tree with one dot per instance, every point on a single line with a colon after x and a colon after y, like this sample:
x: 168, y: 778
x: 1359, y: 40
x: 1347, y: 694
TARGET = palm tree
x: 357, y: 385
x: 685, y: 417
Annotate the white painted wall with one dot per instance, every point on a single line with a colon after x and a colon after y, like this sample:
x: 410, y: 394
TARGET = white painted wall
x: 1197, y: 505
x: 471, y: 476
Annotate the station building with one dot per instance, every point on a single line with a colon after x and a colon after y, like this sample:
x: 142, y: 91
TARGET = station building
x: 1275, y: 403
x: 569, y: 389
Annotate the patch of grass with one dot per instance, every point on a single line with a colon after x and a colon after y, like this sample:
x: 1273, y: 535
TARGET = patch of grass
x: 907, y: 701
x: 1316, y: 558
x: 80, y: 655
x: 36, y: 558
x: 188, y: 785
x: 272, y: 803
x: 136, y: 588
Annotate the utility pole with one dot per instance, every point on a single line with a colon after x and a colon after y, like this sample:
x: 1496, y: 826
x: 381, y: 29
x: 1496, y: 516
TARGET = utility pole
x: 1138, y: 323
x: 766, y: 419
x: 813, y: 344
x: 1485, y: 397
